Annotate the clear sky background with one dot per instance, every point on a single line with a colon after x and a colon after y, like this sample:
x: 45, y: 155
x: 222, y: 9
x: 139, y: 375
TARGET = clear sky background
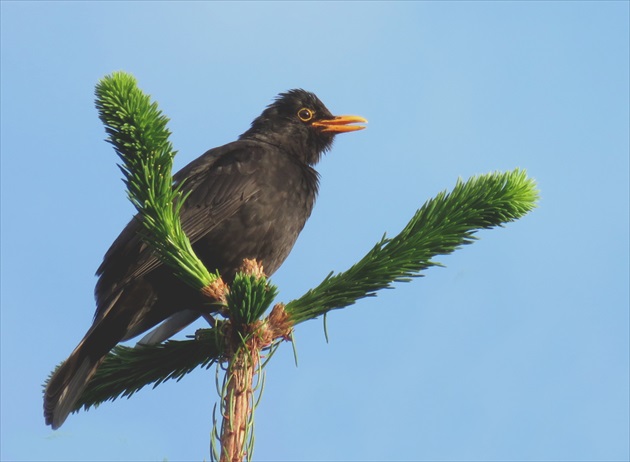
x: 517, y: 350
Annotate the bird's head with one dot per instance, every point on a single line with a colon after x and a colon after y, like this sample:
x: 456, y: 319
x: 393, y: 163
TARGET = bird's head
x: 298, y: 122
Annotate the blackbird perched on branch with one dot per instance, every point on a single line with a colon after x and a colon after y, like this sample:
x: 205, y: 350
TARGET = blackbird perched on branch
x: 247, y: 199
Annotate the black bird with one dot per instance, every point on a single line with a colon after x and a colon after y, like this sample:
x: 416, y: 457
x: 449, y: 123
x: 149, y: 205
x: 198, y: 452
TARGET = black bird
x: 248, y: 199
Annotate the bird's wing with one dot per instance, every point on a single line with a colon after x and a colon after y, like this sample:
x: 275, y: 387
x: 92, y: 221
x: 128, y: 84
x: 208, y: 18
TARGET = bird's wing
x: 217, y: 183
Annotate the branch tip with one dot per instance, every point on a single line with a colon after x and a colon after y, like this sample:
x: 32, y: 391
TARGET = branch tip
x: 252, y: 267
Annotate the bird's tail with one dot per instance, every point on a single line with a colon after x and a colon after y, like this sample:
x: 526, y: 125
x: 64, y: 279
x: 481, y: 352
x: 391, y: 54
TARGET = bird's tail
x: 121, y: 318
x: 66, y: 385
x: 68, y: 381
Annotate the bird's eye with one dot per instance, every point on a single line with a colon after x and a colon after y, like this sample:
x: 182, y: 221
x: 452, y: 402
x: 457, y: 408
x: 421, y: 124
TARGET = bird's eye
x: 305, y: 114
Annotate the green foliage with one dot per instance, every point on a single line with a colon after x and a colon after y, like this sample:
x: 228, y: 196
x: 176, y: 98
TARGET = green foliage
x: 439, y: 227
x: 126, y: 370
x: 137, y: 130
x: 249, y: 297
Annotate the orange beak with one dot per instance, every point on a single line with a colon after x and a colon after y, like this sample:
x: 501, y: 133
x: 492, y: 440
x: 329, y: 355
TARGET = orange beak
x: 340, y: 124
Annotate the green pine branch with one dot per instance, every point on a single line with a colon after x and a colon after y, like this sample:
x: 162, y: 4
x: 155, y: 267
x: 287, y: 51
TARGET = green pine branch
x: 127, y: 369
x: 137, y: 130
x: 442, y: 225
x: 249, y: 297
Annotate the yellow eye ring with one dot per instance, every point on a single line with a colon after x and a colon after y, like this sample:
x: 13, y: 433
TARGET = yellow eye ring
x: 305, y: 114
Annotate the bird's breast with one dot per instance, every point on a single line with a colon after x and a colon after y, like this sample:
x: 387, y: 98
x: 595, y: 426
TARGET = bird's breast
x: 266, y: 225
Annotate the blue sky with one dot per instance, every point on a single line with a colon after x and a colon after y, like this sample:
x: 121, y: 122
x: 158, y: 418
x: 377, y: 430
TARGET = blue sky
x: 517, y: 350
